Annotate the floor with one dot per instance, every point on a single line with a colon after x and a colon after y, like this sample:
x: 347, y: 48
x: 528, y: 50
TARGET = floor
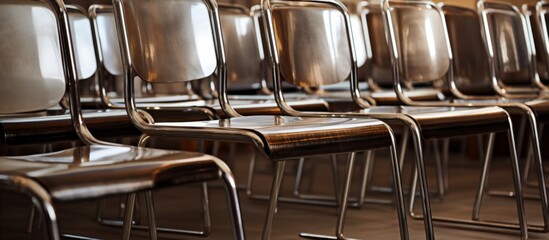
x: 181, y: 206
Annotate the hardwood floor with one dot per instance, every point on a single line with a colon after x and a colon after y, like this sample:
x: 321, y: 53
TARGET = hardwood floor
x: 181, y: 207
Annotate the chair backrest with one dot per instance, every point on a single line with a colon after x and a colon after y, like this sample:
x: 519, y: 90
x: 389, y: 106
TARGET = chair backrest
x: 102, y: 17
x: 37, y: 59
x: 470, y: 60
x: 31, y: 64
x: 170, y: 41
x: 508, y: 43
x: 244, y: 70
x: 418, y: 43
x: 82, y: 39
x: 537, y: 14
x: 379, y: 64
x: 312, y: 45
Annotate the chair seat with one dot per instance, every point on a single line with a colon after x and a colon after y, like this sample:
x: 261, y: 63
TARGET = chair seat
x: 389, y: 97
x: 94, y: 102
x: 541, y: 109
x: 442, y: 122
x: 25, y: 129
x: 248, y: 107
x: 97, y: 170
x: 283, y: 137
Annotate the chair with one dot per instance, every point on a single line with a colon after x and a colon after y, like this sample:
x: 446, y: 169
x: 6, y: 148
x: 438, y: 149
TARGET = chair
x: 537, y: 17
x: 474, y: 84
x: 194, y: 27
x: 311, y: 44
x: 39, y: 65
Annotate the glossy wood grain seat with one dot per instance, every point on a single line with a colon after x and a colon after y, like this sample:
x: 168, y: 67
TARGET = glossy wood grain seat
x: 97, y: 171
x: 311, y: 44
x: 284, y: 137
x: 444, y: 122
x: 20, y: 129
x: 184, y: 24
x: 38, y: 68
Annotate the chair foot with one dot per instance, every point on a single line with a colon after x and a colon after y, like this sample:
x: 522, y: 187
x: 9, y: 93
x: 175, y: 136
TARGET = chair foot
x: 319, y: 236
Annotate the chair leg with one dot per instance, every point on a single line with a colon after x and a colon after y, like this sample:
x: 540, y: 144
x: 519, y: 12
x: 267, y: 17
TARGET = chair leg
x: 438, y: 163
x: 484, y: 177
x: 250, y: 178
x: 445, y: 162
x: 151, y: 215
x: 542, y: 188
x: 420, y: 174
x: 518, y: 187
x: 399, y: 196
x: 43, y: 203
x: 277, y: 180
x: 206, y: 210
x: 233, y: 203
x: 529, y: 158
x: 538, y: 161
x: 128, y: 216
x: 521, y: 132
x: 402, y: 154
x: 40, y: 198
x: 342, y: 204
x: 344, y: 197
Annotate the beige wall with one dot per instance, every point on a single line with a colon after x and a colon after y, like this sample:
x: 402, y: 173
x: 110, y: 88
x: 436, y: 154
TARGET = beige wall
x: 471, y: 3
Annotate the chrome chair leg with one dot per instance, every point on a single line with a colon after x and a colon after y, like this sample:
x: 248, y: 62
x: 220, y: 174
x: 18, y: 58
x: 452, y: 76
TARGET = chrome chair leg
x: 41, y: 200
x: 402, y: 153
x: 250, y: 178
x: 342, y: 204
x: 440, y: 171
x: 522, y: 225
x: 529, y: 158
x: 445, y: 162
x: 299, y: 177
x: 542, y: 186
x: 483, y: 178
x: 151, y: 215
x: 521, y: 133
x: 128, y: 217
x: 399, y: 200
x: 233, y: 203
x: 135, y: 224
x: 273, y: 200
x: 420, y: 174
